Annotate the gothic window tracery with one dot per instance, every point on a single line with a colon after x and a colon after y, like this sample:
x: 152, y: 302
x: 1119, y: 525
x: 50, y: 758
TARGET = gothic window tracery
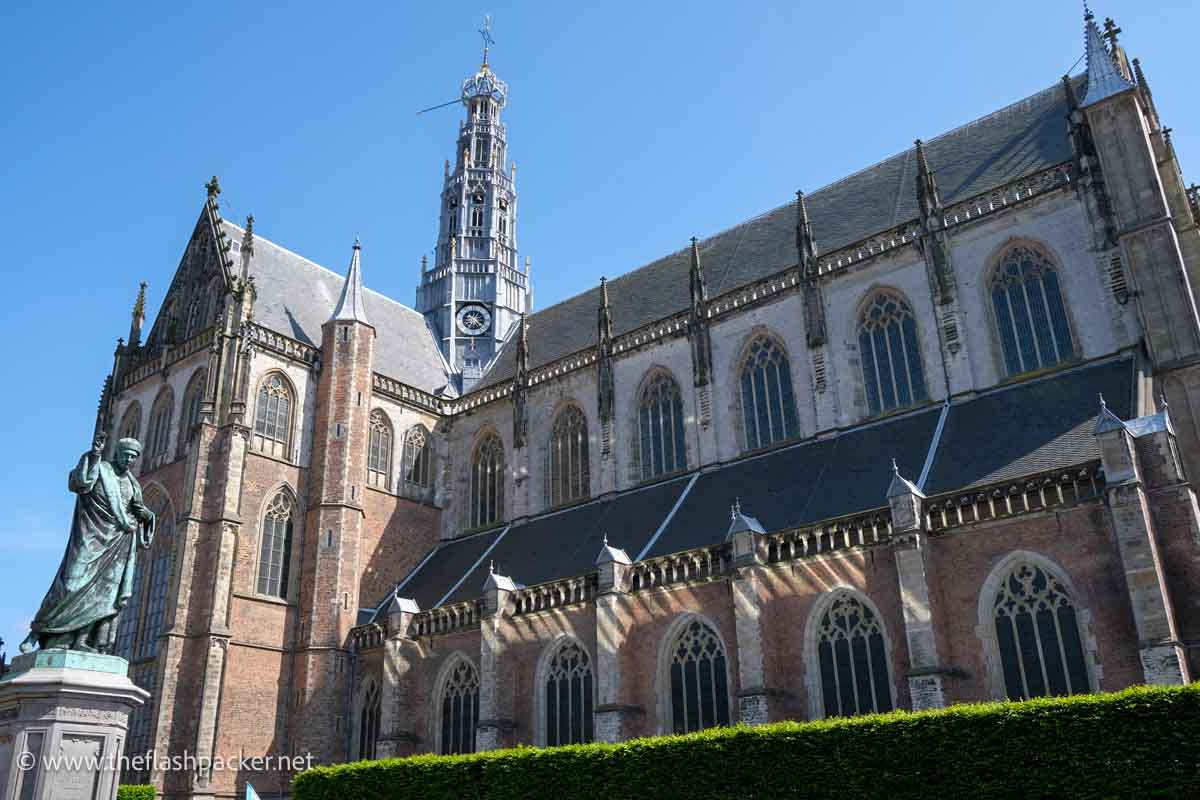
x: 661, y: 447
x: 275, y: 548
x: 417, y: 457
x: 158, y: 583
x: 891, y: 355
x: 568, y: 696
x: 368, y: 724
x: 193, y: 397
x: 698, y: 679
x: 487, y: 482
x: 459, y: 708
x: 567, y: 476
x: 131, y: 423
x: 852, y: 658
x: 1038, y: 635
x: 1030, y: 315
x: 273, y: 416
x: 768, y: 403
x: 379, y: 455
x: 160, y: 427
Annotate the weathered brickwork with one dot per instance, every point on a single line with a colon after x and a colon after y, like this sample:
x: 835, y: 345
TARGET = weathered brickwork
x: 303, y: 526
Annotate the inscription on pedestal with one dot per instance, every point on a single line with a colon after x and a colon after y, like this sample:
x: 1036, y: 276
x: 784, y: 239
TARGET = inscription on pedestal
x: 79, y: 767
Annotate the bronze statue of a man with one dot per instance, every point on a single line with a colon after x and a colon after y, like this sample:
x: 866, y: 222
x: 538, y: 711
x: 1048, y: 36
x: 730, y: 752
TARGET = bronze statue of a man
x: 95, y: 578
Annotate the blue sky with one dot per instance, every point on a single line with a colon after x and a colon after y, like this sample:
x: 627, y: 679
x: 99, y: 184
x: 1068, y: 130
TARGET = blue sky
x: 635, y: 126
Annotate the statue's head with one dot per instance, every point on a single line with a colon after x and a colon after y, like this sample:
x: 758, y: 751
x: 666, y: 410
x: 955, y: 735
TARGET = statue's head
x: 126, y: 453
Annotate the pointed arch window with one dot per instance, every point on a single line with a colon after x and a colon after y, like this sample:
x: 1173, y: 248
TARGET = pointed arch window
x: 368, y: 723
x: 460, y: 709
x: 1030, y: 315
x: 417, y: 458
x: 567, y: 465
x: 159, y: 580
x: 568, y: 696
x: 379, y: 455
x: 487, y: 482
x: 1038, y: 635
x: 891, y: 355
x: 661, y: 448
x: 768, y: 403
x: 160, y: 427
x: 852, y: 657
x: 131, y: 423
x: 699, y: 682
x: 273, y: 416
x: 275, y: 549
x: 140, y: 739
x: 193, y: 398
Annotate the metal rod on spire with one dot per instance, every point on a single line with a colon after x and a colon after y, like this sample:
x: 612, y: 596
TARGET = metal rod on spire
x: 486, y: 33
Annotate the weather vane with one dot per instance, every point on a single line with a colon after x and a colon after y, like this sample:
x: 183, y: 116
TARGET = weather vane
x: 486, y: 33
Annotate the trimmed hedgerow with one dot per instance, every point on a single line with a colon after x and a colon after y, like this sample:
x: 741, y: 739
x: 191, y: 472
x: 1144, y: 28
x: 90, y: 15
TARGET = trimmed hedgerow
x: 135, y: 791
x: 1140, y: 742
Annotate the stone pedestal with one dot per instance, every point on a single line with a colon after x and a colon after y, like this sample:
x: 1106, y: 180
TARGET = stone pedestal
x: 63, y: 721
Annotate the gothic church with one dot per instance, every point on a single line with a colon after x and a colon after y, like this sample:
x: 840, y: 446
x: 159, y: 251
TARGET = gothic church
x: 926, y: 435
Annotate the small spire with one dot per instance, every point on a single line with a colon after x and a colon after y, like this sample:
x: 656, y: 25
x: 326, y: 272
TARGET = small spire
x: 522, y: 351
x: 1104, y: 79
x: 138, y: 317
x: 606, y: 540
x: 699, y: 287
x: 895, y: 467
x: 492, y: 567
x: 1162, y: 400
x: 248, y: 236
x: 350, y: 306
x: 604, y: 322
x: 806, y: 245
x: 213, y: 187
x: 929, y: 198
x: 424, y: 264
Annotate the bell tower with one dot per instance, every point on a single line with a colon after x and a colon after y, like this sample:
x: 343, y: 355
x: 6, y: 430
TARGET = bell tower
x: 476, y: 291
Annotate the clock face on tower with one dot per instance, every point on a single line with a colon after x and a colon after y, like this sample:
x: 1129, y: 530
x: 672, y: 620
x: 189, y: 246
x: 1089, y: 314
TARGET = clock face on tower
x: 473, y: 320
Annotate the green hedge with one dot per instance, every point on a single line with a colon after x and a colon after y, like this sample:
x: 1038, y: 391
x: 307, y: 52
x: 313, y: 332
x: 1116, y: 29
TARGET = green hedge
x: 1137, y: 743
x: 134, y: 791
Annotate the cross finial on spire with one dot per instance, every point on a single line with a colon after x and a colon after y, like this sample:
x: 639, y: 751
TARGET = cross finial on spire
x: 1110, y: 31
x: 492, y: 567
x: 1102, y: 403
x: 486, y: 33
x: 895, y: 467
x: 606, y: 540
x: 213, y: 187
x: 736, y: 508
x: 1162, y: 399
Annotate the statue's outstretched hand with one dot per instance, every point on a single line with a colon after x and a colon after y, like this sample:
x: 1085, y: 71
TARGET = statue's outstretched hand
x: 98, y: 443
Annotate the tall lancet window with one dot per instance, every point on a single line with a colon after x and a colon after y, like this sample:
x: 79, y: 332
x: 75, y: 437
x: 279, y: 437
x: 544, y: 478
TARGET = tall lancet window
x: 417, y: 457
x: 891, y: 355
x: 275, y: 547
x: 852, y: 657
x: 459, y: 708
x: 1030, y: 315
x: 131, y: 423
x: 1037, y: 632
x: 368, y: 723
x: 379, y: 454
x: 768, y: 403
x: 699, y: 683
x: 193, y: 397
x: 567, y: 460
x: 661, y: 448
x: 568, y: 696
x: 273, y: 416
x: 159, y: 580
x: 160, y: 427
x: 487, y: 482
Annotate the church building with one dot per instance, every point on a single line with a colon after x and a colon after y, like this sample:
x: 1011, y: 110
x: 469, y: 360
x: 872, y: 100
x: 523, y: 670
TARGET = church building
x: 927, y: 435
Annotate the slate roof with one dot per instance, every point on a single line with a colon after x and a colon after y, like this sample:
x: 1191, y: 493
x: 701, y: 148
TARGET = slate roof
x: 297, y: 296
x: 1023, y: 138
x: 1004, y: 433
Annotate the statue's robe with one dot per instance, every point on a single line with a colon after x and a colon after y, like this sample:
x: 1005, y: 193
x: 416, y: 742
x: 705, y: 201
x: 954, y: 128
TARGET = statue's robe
x: 95, y: 577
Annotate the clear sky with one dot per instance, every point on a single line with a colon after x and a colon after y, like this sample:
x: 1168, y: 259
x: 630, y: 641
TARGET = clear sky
x: 636, y: 125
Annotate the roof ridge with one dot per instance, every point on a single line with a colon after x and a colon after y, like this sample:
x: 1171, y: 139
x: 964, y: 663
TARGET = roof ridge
x: 260, y: 238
